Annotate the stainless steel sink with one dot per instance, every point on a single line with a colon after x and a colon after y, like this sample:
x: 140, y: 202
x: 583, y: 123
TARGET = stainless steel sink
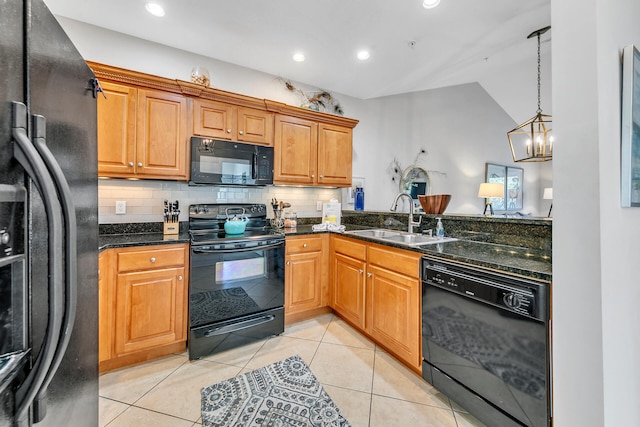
x: 402, y: 237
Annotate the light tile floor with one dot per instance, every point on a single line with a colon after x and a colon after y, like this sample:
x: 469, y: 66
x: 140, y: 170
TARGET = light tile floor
x: 369, y: 386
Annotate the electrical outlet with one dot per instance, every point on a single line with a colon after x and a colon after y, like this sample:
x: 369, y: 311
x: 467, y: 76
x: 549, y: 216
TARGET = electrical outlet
x: 318, y: 205
x: 121, y: 207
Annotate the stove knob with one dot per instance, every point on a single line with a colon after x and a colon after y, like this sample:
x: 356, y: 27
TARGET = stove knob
x: 512, y: 300
x: 5, y: 237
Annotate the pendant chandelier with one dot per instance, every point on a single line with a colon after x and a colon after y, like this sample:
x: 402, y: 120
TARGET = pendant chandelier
x: 532, y: 141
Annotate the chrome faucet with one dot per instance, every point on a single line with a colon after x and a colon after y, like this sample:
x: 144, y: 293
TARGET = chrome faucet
x: 412, y: 224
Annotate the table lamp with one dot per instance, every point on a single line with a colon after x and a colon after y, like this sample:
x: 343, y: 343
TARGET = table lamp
x: 488, y: 190
x: 548, y: 195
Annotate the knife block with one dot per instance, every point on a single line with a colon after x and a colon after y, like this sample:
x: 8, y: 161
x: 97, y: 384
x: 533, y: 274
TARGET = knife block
x: 171, y: 227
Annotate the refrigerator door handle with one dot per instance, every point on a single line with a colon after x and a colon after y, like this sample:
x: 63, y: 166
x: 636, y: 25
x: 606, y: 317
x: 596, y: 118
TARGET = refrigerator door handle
x: 71, y: 257
x: 26, y: 154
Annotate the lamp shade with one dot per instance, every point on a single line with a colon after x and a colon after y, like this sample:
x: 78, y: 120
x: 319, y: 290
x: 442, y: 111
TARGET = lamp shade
x: 548, y: 193
x: 488, y: 189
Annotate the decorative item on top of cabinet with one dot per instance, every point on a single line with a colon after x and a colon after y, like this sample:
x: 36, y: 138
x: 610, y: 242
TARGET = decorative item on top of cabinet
x: 147, y: 306
x: 306, y: 276
x: 225, y: 121
x: 142, y: 133
x: 311, y: 153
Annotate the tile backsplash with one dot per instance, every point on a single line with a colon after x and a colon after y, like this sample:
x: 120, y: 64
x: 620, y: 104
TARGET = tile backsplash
x: 144, y: 199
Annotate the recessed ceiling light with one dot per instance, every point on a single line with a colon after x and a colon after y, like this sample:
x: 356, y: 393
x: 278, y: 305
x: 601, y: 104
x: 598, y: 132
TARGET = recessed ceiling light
x: 298, y: 57
x: 363, y: 55
x: 430, y: 4
x: 155, y: 9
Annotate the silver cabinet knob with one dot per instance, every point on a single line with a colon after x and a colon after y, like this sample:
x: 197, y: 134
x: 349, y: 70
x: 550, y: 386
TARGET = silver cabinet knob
x: 304, y: 245
x: 321, y: 176
x: 241, y: 132
x: 228, y: 130
x: 313, y: 176
x: 139, y: 164
x: 360, y: 271
x: 179, y: 277
x: 130, y: 163
x: 369, y: 274
x: 153, y: 259
x: 288, y: 262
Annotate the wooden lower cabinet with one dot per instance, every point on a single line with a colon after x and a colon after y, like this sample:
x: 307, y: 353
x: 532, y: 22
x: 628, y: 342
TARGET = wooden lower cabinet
x: 144, y: 313
x: 306, y: 276
x: 377, y: 289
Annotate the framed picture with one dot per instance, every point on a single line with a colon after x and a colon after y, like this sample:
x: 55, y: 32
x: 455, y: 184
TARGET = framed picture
x: 512, y: 179
x: 630, y: 128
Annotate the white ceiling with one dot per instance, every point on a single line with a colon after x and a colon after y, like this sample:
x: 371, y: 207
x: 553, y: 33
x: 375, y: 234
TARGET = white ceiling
x: 458, y: 42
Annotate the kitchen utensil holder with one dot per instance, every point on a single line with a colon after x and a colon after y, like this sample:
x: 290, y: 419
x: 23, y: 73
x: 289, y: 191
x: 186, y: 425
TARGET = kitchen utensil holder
x: 171, y: 227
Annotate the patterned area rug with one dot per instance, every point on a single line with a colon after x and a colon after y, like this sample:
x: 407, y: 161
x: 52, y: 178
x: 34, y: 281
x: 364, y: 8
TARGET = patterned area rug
x: 282, y: 394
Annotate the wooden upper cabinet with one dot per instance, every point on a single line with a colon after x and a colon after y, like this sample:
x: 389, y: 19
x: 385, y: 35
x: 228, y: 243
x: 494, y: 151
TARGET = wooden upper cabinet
x: 142, y: 133
x: 116, y: 129
x: 311, y: 153
x: 296, y: 150
x: 334, y: 155
x: 162, y: 135
x: 225, y: 121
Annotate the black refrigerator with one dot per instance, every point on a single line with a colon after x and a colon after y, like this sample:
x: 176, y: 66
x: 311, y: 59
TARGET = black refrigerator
x: 48, y: 224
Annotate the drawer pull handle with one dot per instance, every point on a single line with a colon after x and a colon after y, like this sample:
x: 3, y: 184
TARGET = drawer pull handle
x: 153, y: 259
x: 304, y: 245
x: 179, y: 277
x: 228, y: 130
x: 241, y: 132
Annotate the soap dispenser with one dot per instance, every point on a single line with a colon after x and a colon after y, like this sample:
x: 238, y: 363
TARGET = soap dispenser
x: 439, y: 229
x: 359, y: 199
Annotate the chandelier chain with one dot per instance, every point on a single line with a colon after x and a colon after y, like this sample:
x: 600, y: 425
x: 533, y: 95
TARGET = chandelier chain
x: 539, y: 111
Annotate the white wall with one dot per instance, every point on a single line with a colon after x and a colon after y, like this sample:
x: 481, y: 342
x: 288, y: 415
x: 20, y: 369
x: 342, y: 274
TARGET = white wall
x: 595, y: 241
x: 462, y: 127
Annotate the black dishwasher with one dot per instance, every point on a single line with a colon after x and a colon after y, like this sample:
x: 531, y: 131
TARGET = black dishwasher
x: 485, y: 342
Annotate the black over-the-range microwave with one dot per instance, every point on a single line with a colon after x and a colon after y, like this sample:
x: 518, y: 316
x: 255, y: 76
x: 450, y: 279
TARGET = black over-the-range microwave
x: 219, y: 162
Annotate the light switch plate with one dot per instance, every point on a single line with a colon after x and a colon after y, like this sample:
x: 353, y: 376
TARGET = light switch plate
x: 121, y: 207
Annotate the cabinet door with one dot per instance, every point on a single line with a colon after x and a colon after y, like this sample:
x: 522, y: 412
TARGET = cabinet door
x: 348, y: 296
x: 255, y: 126
x: 334, y: 155
x: 106, y: 310
x: 150, y: 309
x: 303, y: 285
x: 214, y: 119
x: 161, y: 136
x: 296, y: 149
x: 393, y: 312
x: 116, y: 130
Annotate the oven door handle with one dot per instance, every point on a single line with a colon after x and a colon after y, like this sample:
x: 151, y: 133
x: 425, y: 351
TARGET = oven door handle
x: 254, y: 165
x: 249, y: 323
x: 235, y: 250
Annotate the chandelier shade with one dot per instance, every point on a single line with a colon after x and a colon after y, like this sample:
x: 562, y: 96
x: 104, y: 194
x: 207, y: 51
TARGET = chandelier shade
x: 532, y: 141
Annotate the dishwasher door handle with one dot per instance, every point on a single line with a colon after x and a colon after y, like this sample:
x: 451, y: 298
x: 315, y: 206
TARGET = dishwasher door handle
x: 249, y: 323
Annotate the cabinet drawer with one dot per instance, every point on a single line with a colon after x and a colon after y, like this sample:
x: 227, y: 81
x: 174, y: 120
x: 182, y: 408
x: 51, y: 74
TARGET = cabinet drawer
x: 350, y: 248
x: 151, y: 259
x: 397, y: 260
x: 296, y: 245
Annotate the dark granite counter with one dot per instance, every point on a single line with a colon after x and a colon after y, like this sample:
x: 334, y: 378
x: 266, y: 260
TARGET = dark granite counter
x: 472, y: 248
x: 109, y: 241
x: 521, y: 261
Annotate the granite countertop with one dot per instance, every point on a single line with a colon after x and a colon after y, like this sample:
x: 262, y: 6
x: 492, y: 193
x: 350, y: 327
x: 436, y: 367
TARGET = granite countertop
x: 109, y: 241
x: 510, y: 259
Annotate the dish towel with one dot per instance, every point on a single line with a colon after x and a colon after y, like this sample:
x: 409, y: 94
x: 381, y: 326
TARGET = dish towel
x: 329, y: 226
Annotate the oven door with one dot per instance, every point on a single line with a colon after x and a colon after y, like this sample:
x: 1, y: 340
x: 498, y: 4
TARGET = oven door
x: 235, y: 291
x: 230, y: 163
x: 498, y: 355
